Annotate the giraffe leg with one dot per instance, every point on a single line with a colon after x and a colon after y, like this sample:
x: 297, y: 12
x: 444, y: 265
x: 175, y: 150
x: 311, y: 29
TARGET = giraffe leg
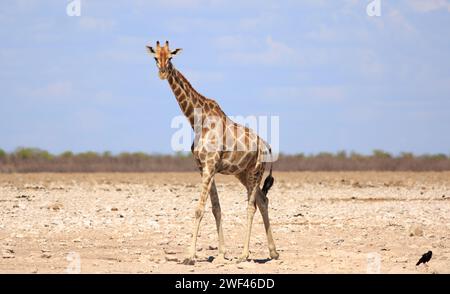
x: 218, y: 216
x: 263, y: 204
x: 207, y: 180
x: 251, y: 209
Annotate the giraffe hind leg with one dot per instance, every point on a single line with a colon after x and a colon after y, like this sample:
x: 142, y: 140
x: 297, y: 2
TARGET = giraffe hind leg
x: 253, y: 180
x: 263, y: 205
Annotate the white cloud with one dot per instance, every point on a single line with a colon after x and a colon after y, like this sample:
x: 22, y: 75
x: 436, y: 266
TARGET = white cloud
x: 370, y: 63
x: 180, y: 4
x: 329, y: 33
x: 401, y: 21
x: 326, y: 33
x: 193, y: 25
x: 424, y: 6
x: 272, y: 53
x: 256, y: 23
x: 394, y: 18
x: 92, y: 23
x: 199, y: 77
x: 231, y: 42
x: 52, y: 90
x: 126, y: 49
x: 323, y: 94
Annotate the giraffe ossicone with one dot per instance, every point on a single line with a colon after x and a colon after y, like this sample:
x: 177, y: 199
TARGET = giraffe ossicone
x: 220, y: 146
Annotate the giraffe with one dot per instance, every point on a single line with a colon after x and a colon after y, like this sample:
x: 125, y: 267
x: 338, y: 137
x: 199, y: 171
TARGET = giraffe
x: 220, y: 146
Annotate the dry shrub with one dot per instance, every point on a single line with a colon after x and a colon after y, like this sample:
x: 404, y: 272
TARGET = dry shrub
x: 36, y: 160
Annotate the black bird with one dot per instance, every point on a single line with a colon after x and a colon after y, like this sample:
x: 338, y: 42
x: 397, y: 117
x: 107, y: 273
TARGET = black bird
x: 425, y: 258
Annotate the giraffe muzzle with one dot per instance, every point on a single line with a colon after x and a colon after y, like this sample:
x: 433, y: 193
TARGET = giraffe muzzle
x: 163, y: 73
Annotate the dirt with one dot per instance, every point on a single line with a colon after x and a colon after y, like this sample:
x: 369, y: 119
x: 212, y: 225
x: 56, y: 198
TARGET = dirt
x: 323, y: 222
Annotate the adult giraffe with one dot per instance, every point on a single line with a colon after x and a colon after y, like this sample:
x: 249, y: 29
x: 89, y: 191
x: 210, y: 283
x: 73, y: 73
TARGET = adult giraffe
x: 220, y: 146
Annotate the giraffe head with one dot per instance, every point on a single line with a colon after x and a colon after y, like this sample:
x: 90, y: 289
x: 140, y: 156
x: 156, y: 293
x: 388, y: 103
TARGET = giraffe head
x: 163, y: 57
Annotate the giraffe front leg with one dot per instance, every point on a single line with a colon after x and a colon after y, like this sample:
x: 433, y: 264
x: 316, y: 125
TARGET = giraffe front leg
x: 251, y: 209
x: 218, y: 217
x: 207, y: 179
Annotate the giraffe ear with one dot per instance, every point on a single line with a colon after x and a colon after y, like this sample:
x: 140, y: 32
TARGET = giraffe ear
x: 150, y: 50
x: 176, y: 51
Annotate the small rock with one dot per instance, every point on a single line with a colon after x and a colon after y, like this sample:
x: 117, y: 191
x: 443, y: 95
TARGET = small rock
x: 170, y: 252
x: 246, y: 265
x: 415, y: 230
x: 23, y: 197
x: 46, y: 255
x: 338, y: 242
x: 55, y: 206
x: 212, y: 247
x: 8, y: 253
x: 171, y: 258
x: 114, y: 209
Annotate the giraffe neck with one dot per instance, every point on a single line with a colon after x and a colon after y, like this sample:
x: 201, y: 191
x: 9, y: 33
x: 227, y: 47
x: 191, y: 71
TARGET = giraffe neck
x: 188, y: 98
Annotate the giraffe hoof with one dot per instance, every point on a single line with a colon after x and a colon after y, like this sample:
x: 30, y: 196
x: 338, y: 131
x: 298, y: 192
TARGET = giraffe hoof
x: 220, y: 259
x: 189, y: 261
x: 242, y: 258
x: 274, y: 255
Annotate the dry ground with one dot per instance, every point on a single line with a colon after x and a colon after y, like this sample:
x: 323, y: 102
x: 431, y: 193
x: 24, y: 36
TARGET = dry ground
x: 141, y: 223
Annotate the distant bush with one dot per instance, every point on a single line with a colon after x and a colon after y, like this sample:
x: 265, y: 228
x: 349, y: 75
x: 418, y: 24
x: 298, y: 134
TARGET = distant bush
x: 32, y: 153
x: 325, y: 155
x: 37, y: 160
x: 381, y: 154
x: 2, y: 155
x: 356, y: 156
x: 435, y: 156
x: 89, y: 155
x: 406, y: 155
x: 66, y: 154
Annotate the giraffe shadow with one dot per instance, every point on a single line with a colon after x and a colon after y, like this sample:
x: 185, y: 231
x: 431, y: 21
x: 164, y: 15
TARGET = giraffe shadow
x: 256, y: 260
x: 261, y: 260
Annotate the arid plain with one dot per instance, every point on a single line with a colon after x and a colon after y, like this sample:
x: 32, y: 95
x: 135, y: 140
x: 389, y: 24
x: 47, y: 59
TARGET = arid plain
x: 323, y: 222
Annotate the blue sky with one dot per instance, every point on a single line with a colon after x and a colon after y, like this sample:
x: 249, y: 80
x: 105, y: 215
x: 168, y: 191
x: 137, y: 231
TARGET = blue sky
x: 337, y: 78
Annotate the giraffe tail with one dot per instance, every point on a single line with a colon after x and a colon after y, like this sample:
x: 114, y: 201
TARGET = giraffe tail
x: 268, y: 182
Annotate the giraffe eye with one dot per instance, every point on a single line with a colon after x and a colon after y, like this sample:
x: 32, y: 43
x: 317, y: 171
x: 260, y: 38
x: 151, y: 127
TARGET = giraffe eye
x: 156, y: 59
